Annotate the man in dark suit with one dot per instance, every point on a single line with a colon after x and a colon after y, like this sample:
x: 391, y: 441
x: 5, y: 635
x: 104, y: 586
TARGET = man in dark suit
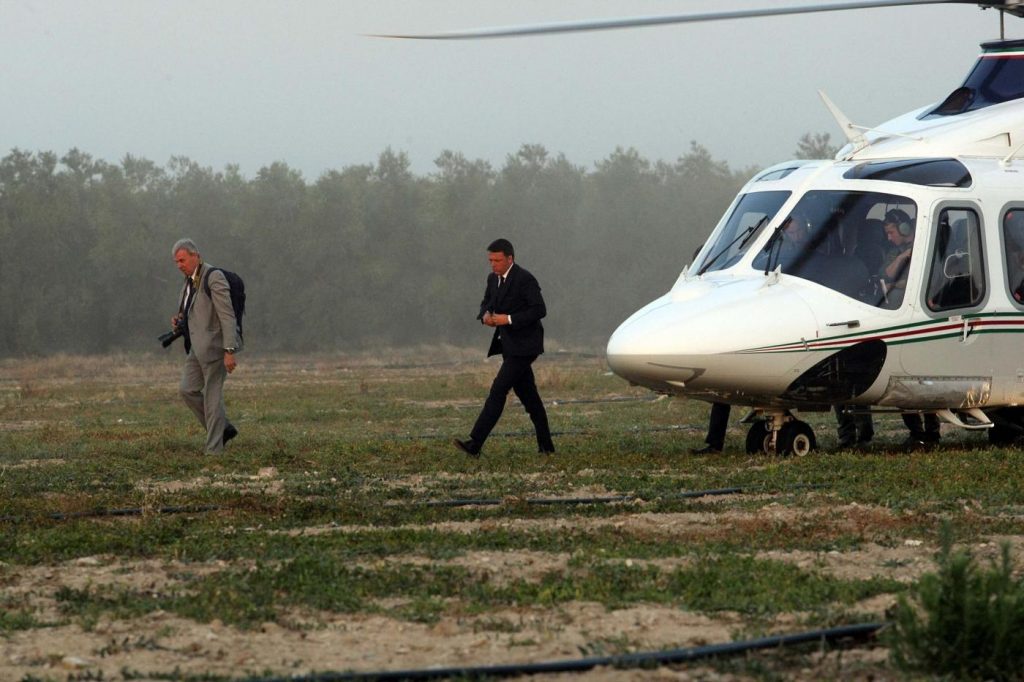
x: 211, y: 341
x: 513, y: 305
x: 717, y: 425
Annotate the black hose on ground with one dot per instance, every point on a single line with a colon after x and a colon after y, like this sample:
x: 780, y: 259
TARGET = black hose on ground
x: 641, y: 659
x: 566, y: 432
x: 134, y: 511
x: 689, y: 494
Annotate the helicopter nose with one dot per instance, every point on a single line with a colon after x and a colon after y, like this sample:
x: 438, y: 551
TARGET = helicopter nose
x: 651, y: 347
x: 712, y: 340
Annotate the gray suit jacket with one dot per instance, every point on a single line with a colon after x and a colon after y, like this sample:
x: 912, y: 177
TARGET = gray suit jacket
x: 211, y: 319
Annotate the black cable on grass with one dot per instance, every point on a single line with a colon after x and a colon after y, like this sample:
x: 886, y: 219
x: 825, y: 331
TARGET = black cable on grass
x: 455, y: 363
x: 689, y: 494
x: 470, y: 502
x: 494, y: 501
x: 612, y: 399
x: 136, y: 511
x: 858, y: 632
x: 571, y: 432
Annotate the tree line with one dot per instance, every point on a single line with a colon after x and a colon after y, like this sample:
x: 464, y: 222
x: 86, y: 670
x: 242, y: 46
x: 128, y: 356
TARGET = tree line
x: 365, y: 256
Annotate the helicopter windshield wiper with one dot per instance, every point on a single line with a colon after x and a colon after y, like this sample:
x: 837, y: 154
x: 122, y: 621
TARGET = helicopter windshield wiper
x: 746, y: 236
x: 774, y: 246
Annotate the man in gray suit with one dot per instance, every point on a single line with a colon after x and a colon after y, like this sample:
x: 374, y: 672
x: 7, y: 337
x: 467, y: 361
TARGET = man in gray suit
x: 211, y: 341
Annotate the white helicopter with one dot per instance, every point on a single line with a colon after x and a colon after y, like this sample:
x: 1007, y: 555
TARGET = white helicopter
x: 887, y: 279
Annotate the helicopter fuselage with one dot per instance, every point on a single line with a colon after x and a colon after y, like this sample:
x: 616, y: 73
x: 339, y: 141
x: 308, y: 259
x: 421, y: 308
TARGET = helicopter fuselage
x: 748, y: 325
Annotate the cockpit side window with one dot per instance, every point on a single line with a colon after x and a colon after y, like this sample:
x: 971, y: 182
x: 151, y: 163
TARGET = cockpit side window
x: 1013, y: 240
x: 752, y: 213
x: 957, y: 276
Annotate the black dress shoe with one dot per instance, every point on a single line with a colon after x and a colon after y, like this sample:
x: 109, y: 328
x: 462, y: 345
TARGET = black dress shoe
x: 920, y: 441
x: 468, y: 446
x: 706, y: 450
x: 229, y: 432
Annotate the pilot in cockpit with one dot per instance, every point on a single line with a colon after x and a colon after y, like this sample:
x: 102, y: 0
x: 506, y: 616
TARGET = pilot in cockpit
x: 793, y: 241
x: 797, y: 228
x: 899, y: 231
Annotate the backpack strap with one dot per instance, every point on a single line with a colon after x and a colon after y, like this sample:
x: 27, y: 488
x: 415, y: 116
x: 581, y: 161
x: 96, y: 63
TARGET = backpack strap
x: 206, y: 281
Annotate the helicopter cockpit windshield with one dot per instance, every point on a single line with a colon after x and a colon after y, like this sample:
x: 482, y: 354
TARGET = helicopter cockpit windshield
x: 856, y: 243
x: 753, y: 211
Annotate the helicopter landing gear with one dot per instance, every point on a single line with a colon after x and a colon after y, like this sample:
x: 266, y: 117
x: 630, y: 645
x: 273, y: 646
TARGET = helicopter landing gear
x: 796, y: 438
x: 781, y: 433
x: 759, y: 438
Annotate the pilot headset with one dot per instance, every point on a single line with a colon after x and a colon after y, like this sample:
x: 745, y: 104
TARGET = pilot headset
x: 901, y: 220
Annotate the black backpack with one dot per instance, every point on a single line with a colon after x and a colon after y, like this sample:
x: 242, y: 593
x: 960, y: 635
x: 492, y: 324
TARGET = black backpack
x: 237, y: 288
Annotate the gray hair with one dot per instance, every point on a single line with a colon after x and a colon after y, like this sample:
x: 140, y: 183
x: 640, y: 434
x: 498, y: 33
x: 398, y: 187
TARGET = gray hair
x: 186, y: 244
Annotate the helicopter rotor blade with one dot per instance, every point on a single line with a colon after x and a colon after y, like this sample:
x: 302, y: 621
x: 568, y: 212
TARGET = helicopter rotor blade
x: 632, y: 22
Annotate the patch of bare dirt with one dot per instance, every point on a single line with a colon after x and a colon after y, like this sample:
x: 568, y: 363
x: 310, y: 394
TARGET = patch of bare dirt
x: 648, y: 524
x: 33, y: 463
x: 263, y: 481
x: 162, y: 642
x: 23, y: 425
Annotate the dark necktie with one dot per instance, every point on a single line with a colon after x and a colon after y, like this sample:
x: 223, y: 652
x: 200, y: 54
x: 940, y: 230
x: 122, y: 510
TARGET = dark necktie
x: 190, y: 292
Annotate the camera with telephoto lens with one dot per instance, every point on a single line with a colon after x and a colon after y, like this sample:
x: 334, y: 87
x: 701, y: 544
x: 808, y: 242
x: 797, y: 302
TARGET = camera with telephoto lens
x: 167, y: 338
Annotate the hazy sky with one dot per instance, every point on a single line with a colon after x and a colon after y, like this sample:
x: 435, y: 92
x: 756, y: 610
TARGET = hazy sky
x: 252, y: 82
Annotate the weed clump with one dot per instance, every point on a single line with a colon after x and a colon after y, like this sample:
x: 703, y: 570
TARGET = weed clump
x: 965, y: 621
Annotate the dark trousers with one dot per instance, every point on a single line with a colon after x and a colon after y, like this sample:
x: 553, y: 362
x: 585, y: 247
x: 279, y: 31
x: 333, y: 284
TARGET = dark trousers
x: 853, y: 427
x: 515, y: 374
x: 928, y: 431
x: 717, y: 424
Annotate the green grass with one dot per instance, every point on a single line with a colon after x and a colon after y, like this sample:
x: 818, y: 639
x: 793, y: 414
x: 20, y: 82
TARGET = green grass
x: 323, y: 582
x: 323, y: 503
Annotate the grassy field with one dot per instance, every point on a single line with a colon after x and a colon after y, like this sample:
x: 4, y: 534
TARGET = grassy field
x: 327, y: 538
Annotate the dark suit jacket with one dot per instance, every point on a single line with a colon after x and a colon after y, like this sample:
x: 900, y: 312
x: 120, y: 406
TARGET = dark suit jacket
x: 519, y: 297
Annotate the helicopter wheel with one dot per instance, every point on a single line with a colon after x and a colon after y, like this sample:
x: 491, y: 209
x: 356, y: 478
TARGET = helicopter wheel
x: 758, y: 438
x: 796, y: 438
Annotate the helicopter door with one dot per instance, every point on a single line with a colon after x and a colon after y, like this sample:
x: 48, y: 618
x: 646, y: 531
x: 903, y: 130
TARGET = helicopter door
x: 957, y: 274
x: 951, y: 362
x: 1013, y: 246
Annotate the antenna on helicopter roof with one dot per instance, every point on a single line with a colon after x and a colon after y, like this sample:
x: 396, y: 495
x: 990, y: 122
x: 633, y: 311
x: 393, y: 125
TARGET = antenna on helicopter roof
x: 857, y: 139
x: 851, y: 131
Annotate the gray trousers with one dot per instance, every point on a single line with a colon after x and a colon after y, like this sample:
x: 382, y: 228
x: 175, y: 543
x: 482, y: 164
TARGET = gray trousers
x: 202, y: 389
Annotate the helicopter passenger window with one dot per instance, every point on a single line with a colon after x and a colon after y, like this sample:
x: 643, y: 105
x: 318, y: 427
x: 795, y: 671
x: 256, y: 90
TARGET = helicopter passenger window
x: 957, y: 277
x: 1013, y: 240
x: 753, y: 211
x: 840, y: 240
